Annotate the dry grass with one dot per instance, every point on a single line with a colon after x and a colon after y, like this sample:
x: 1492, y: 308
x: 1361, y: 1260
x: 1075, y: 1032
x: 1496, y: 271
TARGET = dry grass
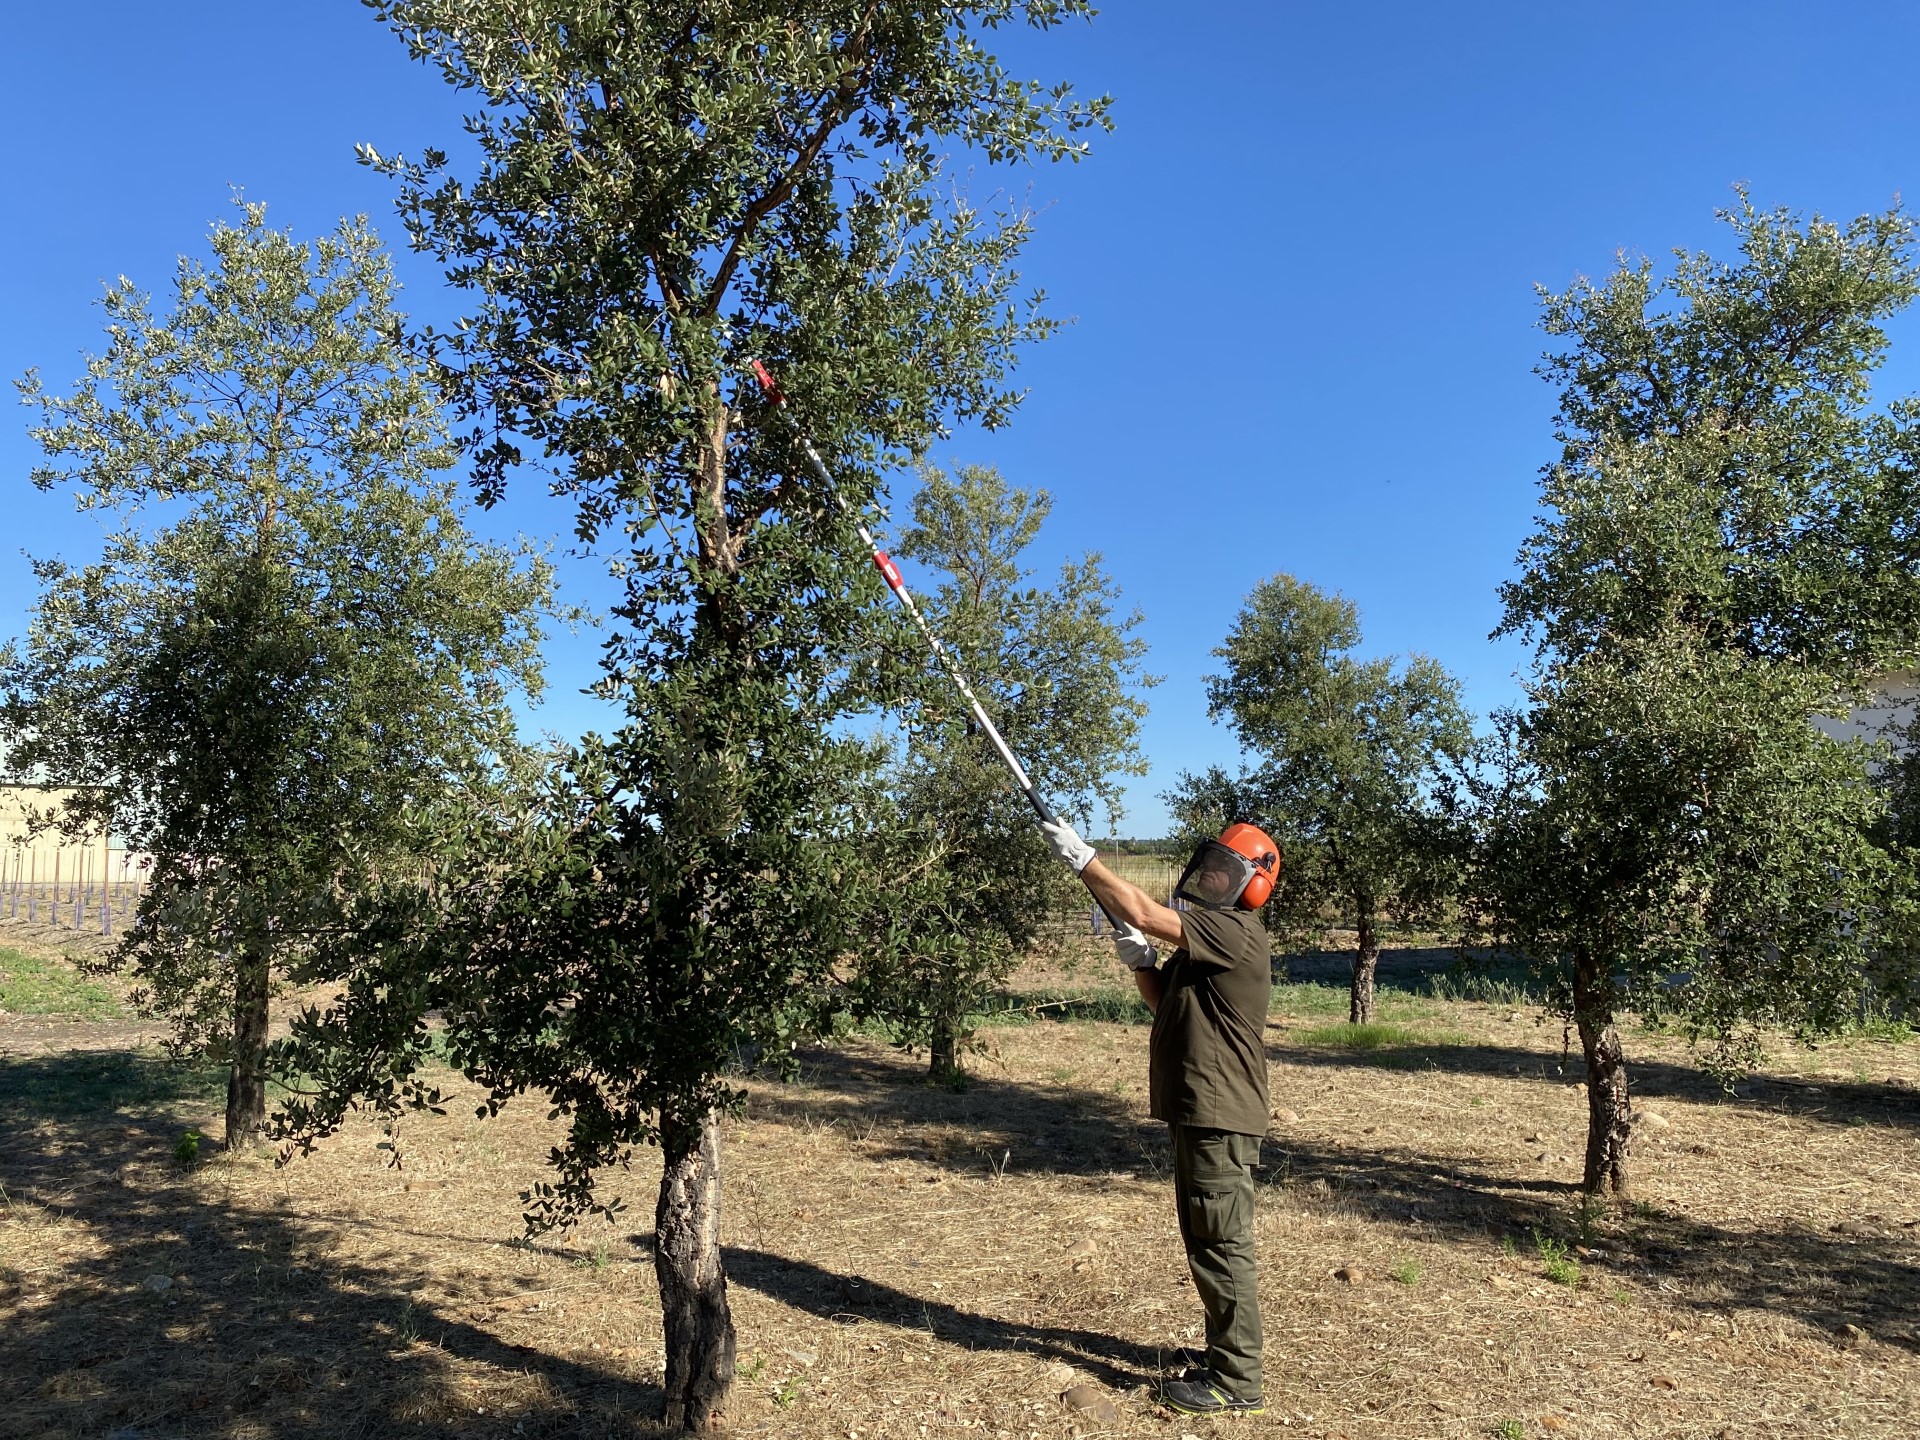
x: 908, y: 1261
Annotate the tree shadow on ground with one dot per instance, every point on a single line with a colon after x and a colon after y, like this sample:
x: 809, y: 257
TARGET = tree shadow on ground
x: 1865, y: 1278
x: 1832, y: 1102
x: 1411, y: 968
x: 189, y: 1315
x: 850, y: 1299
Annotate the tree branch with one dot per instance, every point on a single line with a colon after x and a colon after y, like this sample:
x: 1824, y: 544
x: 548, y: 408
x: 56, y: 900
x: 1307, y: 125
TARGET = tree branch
x: 836, y: 112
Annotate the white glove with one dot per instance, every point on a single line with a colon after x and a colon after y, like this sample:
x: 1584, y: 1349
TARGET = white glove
x: 1136, y: 952
x: 1065, y: 842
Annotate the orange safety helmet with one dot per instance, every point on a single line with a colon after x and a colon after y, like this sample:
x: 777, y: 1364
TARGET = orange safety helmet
x: 1245, y: 858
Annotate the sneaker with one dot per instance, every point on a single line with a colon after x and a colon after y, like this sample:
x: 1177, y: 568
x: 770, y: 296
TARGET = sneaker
x: 1205, y: 1395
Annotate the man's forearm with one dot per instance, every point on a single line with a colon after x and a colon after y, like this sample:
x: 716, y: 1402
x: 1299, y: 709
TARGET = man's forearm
x: 1127, y: 904
x: 1121, y: 899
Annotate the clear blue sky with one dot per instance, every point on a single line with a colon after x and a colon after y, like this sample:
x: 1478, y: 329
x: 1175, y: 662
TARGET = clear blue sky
x: 1301, y: 270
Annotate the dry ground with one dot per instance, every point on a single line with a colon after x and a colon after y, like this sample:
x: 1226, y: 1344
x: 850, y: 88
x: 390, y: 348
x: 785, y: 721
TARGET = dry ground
x: 909, y: 1261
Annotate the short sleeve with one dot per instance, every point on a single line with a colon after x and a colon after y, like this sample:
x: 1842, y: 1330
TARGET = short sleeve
x: 1212, y: 939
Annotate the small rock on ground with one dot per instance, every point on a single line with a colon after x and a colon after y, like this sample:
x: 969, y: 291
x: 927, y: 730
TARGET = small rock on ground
x: 1088, y: 1400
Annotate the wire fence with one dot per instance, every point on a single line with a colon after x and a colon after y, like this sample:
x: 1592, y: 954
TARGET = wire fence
x: 96, y: 886
x: 89, y: 886
x: 1155, y: 874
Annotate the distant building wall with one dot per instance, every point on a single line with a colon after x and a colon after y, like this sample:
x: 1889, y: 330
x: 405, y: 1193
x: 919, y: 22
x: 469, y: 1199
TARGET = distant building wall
x: 41, y: 859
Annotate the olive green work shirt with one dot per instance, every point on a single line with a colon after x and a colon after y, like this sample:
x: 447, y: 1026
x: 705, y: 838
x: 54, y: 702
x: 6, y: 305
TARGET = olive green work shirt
x: 1208, y: 1054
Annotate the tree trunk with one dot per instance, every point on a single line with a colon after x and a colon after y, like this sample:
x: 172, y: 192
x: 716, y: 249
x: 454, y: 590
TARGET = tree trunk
x: 945, y: 1063
x: 247, y: 1074
x: 1609, y: 1108
x: 693, y: 1281
x: 1365, y: 958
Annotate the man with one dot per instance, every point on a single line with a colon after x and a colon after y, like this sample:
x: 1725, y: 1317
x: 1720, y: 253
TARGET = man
x: 1207, y: 1078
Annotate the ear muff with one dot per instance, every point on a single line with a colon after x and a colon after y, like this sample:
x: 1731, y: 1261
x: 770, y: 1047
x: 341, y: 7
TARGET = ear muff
x: 1258, y: 890
x: 1257, y: 848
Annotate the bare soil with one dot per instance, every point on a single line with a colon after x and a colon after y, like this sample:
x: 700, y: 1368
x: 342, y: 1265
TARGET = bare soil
x: 912, y: 1261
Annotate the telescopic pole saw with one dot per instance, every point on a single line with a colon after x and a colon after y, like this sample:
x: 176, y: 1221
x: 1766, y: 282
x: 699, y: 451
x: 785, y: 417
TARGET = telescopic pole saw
x: 891, y: 574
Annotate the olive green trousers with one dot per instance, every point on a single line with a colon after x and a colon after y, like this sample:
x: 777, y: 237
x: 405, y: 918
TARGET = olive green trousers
x: 1213, y: 1188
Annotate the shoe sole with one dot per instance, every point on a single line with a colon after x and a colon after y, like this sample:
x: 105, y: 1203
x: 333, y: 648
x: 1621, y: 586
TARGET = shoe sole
x: 1178, y: 1408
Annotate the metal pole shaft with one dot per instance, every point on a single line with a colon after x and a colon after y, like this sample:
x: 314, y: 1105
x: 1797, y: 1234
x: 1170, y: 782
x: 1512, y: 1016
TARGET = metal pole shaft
x: 891, y: 574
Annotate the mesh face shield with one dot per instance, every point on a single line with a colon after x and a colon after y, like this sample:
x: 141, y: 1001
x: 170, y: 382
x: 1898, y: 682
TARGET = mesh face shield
x: 1215, y: 877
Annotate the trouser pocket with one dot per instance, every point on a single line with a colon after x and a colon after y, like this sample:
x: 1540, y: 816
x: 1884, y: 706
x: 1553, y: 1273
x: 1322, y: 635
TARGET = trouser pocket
x: 1212, y: 1171
x: 1217, y: 1209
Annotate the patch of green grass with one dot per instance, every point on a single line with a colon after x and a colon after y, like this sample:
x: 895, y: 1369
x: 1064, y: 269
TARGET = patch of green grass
x: 31, y: 985
x: 1309, y: 999
x: 1407, y: 1272
x: 85, y: 1082
x: 1374, y: 1037
x: 1562, y: 1268
x: 1508, y: 1430
x: 1882, y: 1024
x: 1481, y: 987
x: 1107, y: 1005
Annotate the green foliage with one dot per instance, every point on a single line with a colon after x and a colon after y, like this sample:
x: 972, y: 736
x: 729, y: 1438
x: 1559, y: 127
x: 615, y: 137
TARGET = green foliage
x: 290, y: 646
x: 1728, y: 553
x: 1057, y: 668
x: 1508, y: 1430
x: 1347, y: 752
x: 1373, y: 1036
x: 1407, y: 1272
x: 35, y: 985
x: 1674, y: 837
x: 186, y: 1149
x: 1561, y: 1267
x: 1723, y: 471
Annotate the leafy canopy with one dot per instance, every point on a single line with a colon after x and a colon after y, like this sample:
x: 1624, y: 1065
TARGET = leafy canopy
x: 664, y: 192
x: 1723, y: 468
x: 1058, y: 669
x: 291, y: 646
x: 1730, y: 550
x: 1345, y: 753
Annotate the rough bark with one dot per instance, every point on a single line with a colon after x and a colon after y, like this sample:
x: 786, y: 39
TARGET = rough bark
x: 246, y: 1075
x: 1609, y: 1107
x: 1366, y: 959
x: 693, y: 1280
x: 944, y: 1065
